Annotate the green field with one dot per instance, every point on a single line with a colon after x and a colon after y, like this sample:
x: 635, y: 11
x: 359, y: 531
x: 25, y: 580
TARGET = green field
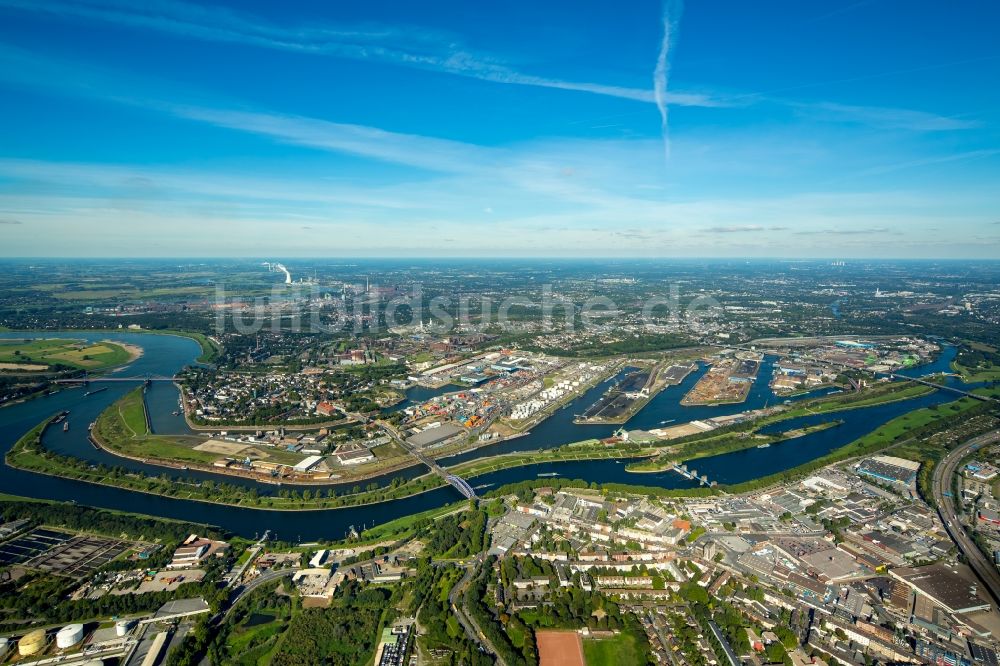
x: 622, y: 649
x: 122, y: 428
x: 986, y: 372
x: 894, y: 430
x: 422, y: 357
x: 901, y: 433
x: 102, y: 294
x: 76, y: 354
x: 404, y: 527
x: 870, y: 397
x: 586, y: 450
x: 388, y: 450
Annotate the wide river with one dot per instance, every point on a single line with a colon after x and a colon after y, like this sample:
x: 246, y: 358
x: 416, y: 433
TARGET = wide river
x: 165, y: 355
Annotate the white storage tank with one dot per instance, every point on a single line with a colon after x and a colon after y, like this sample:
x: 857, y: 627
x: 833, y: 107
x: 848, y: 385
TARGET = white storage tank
x: 4, y: 646
x: 122, y: 627
x: 69, y: 636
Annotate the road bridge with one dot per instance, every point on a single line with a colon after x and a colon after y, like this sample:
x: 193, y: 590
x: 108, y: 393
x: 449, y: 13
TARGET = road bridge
x: 94, y: 380
x: 691, y: 474
x: 453, y: 479
x: 952, y: 389
x: 462, y: 485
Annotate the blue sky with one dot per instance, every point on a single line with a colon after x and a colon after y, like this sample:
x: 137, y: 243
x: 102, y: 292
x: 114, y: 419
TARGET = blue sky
x: 798, y: 129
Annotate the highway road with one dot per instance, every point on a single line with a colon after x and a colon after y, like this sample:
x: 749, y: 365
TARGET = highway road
x: 941, y: 484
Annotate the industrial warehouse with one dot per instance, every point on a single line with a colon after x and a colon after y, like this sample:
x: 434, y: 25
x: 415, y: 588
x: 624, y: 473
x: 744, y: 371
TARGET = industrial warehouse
x: 954, y: 588
x: 890, y: 468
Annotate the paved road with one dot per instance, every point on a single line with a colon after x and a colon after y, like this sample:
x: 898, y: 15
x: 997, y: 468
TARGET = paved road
x: 397, y: 437
x: 456, y: 602
x: 237, y: 575
x: 265, y: 577
x: 943, y: 473
x: 658, y: 627
x: 457, y: 599
x: 724, y: 642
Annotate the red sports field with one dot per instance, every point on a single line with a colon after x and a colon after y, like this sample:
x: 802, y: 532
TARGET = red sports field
x: 559, y: 648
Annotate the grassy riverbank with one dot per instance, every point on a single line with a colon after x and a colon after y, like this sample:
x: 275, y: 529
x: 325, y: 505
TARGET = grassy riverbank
x: 122, y: 430
x: 30, y: 454
x: 41, y: 355
x: 898, y: 435
x: 724, y: 444
x: 987, y: 372
x: 899, y: 432
x: 587, y: 450
x: 58, y: 514
x: 878, y: 395
x: 747, y: 435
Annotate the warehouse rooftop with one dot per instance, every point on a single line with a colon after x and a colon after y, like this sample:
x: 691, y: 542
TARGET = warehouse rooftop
x: 954, y: 588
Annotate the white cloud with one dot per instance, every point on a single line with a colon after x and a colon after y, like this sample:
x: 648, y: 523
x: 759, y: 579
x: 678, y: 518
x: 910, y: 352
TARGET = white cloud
x: 661, y: 73
x: 129, y: 182
x: 301, y: 217
x: 568, y: 196
x: 745, y: 228
x: 924, y: 161
x: 407, y: 47
x: 884, y: 118
x: 409, y: 149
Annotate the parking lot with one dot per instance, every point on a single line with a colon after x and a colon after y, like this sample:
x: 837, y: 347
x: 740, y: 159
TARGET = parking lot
x: 168, y: 581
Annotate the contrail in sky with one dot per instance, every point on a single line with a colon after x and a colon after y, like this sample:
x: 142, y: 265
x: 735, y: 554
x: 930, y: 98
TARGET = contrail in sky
x: 672, y: 10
